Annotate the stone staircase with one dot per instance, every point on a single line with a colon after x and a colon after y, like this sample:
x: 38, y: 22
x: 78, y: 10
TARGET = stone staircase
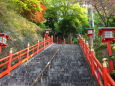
x: 69, y: 68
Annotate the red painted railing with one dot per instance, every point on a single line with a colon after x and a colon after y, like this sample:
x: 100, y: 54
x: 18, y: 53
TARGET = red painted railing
x: 60, y: 41
x: 13, y: 60
x: 100, y: 72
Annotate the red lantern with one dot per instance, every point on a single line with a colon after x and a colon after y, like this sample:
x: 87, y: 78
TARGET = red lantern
x: 3, y: 40
x: 46, y: 33
x: 108, y: 36
x: 90, y: 33
x: 107, y: 33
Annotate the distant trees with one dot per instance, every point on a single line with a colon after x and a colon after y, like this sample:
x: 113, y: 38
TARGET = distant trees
x: 105, y: 10
x: 66, y: 18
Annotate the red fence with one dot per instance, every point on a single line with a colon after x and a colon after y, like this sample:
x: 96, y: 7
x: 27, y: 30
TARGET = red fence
x: 13, y: 60
x: 100, y: 71
x: 60, y: 41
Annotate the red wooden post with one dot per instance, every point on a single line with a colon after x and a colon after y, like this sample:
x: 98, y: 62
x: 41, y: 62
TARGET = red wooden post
x: 105, y: 70
x: 90, y: 32
x: 10, y: 61
x: 109, y: 48
x: 19, y: 58
x: 0, y: 49
x: 44, y: 43
x: 38, y: 47
x: 52, y: 40
x: 92, y: 60
x: 84, y: 46
x: 91, y: 41
x: 28, y: 51
x: 87, y: 50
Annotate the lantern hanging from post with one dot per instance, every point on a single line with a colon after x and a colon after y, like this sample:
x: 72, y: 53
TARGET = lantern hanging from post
x: 3, y: 40
x: 107, y: 34
x: 90, y: 32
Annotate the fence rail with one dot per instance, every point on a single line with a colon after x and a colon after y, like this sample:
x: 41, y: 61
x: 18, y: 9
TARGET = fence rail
x: 100, y: 71
x: 13, y: 60
x: 60, y: 41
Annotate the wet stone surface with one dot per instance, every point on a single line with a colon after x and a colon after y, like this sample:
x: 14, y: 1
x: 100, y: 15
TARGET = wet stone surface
x: 69, y: 68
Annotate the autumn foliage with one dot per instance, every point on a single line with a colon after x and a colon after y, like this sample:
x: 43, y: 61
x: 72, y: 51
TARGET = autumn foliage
x: 38, y: 15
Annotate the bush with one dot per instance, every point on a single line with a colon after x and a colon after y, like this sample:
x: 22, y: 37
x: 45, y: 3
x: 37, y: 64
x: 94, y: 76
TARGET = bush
x: 113, y: 75
x: 75, y: 41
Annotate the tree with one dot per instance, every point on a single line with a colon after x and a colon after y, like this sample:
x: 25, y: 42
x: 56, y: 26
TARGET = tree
x: 104, y: 8
x: 66, y: 18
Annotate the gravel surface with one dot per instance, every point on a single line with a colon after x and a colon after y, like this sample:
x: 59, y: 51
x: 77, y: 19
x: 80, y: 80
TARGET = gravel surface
x: 68, y: 68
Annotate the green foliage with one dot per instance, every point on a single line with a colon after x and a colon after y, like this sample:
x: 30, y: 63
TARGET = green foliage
x: 27, y: 5
x: 68, y: 27
x: 51, y: 17
x: 65, y: 18
x: 23, y: 7
x: 75, y: 41
x: 112, y: 21
x: 21, y: 30
x: 113, y: 74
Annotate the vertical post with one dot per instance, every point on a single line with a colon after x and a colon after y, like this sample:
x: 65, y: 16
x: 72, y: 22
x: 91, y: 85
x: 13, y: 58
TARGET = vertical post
x: 19, y: 58
x: 10, y: 61
x: 109, y: 48
x: 44, y: 43
x: 87, y: 51
x: 38, y: 47
x: 84, y: 46
x: 0, y: 49
x: 64, y: 41
x: 57, y: 40
x: 91, y: 41
x: 92, y: 18
x: 92, y: 60
x: 52, y: 40
x: 105, y: 70
x: 28, y: 51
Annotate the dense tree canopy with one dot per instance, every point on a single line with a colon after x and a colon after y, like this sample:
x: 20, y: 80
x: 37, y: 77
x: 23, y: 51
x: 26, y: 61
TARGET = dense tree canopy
x: 66, y: 18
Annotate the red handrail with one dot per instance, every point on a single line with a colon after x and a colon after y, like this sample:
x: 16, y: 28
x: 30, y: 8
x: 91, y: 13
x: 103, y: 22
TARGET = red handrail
x: 13, y: 60
x: 100, y: 73
x: 60, y: 41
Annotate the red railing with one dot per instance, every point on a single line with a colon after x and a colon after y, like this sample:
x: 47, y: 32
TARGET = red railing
x: 60, y: 41
x: 13, y: 60
x: 99, y: 71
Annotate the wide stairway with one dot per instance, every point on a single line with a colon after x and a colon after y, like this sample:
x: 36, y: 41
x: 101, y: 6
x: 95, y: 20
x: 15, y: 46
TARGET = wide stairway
x: 67, y: 68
